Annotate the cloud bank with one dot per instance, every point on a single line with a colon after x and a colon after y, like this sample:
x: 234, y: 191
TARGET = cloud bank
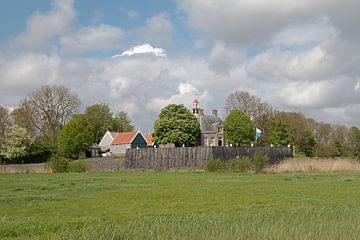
x: 298, y: 56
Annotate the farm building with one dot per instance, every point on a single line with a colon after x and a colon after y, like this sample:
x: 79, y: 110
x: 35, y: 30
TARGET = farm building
x: 106, y: 141
x: 125, y: 140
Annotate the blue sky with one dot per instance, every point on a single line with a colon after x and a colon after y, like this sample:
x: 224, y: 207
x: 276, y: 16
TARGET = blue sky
x: 295, y: 55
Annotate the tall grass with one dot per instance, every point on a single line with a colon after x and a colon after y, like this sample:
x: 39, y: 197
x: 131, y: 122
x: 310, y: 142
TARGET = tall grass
x: 315, y: 164
x: 197, y: 206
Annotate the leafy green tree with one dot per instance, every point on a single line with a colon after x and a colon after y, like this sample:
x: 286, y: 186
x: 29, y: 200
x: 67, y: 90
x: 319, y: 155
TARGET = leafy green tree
x: 75, y: 137
x: 40, y: 150
x: 16, y: 143
x: 354, y: 136
x: 176, y: 124
x: 279, y: 135
x: 100, y: 118
x: 308, y: 144
x: 238, y: 128
x: 121, y: 123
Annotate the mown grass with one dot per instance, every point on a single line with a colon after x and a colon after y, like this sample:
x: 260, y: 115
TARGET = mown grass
x: 180, y: 206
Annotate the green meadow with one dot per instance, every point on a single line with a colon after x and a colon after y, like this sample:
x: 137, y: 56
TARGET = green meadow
x: 158, y: 205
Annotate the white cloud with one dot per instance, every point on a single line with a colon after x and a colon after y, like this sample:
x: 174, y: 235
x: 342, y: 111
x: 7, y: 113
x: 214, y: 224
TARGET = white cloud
x: 92, y: 38
x: 130, y: 13
x: 157, y: 30
x: 186, y: 92
x: 143, y: 49
x: 40, y: 27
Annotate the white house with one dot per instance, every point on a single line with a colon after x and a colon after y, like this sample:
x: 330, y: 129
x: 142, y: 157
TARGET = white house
x: 106, y: 141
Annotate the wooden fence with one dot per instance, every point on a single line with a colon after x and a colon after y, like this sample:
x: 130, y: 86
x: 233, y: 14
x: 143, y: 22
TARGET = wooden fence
x: 194, y: 157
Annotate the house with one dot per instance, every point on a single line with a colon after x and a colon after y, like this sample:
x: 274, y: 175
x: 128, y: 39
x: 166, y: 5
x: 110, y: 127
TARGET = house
x: 125, y: 140
x: 211, y: 127
x: 149, y: 139
x: 106, y: 141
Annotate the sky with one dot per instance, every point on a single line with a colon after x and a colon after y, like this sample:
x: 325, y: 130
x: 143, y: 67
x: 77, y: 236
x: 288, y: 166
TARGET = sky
x: 138, y: 56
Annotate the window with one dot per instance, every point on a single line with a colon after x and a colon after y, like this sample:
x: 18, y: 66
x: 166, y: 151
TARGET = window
x: 212, y: 141
x: 220, y: 129
x: 206, y: 141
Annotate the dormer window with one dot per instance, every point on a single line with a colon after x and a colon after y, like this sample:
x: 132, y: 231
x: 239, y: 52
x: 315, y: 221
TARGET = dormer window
x: 220, y: 129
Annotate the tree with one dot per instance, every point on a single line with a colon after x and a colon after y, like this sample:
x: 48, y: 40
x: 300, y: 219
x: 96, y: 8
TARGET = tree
x: 99, y: 117
x: 75, y: 137
x: 238, y: 128
x: 280, y: 136
x: 20, y: 117
x: 261, y: 113
x: 49, y: 108
x: 308, y: 144
x: 5, y: 123
x: 176, y: 124
x: 16, y: 144
x: 354, y: 139
x: 296, y: 124
x: 122, y: 123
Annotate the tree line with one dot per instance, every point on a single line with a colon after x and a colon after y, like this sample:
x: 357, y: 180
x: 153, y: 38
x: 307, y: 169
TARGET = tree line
x: 49, y: 123
x: 280, y: 128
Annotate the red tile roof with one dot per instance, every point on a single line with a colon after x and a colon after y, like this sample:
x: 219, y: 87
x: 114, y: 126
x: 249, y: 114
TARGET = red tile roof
x: 124, y: 138
x: 149, y: 139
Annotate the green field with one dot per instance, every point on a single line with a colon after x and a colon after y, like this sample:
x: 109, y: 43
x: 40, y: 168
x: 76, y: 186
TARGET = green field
x: 180, y: 206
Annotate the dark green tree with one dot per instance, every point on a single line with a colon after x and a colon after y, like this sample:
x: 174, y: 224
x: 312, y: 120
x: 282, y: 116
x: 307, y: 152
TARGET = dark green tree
x: 75, y: 137
x: 238, y: 128
x: 100, y: 118
x: 279, y: 135
x: 121, y: 123
x: 308, y: 144
x: 176, y: 124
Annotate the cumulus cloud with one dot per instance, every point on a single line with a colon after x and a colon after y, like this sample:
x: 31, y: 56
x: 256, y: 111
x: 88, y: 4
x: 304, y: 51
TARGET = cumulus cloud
x: 158, y: 30
x: 40, y: 27
x: 185, y: 93
x: 296, y: 55
x: 92, y: 38
x: 143, y: 49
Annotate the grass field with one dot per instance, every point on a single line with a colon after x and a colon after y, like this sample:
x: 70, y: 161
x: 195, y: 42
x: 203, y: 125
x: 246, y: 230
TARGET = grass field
x: 180, y: 206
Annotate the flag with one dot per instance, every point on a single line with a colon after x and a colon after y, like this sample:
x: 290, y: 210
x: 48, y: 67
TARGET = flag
x: 258, y: 133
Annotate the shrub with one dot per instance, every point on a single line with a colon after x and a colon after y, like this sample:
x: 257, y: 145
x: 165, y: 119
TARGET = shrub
x: 242, y: 164
x: 261, y: 160
x: 215, y: 165
x: 78, y: 166
x: 59, y: 164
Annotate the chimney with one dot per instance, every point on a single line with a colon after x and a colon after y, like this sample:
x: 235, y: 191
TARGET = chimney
x: 214, y: 112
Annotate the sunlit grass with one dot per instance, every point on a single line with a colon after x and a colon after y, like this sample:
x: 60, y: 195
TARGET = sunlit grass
x: 180, y: 206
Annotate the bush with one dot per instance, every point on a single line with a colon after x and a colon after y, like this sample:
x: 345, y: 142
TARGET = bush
x: 59, y: 164
x: 215, y: 165
x: 242, y: 164
x: 78, y: 166
x: 261, y: 161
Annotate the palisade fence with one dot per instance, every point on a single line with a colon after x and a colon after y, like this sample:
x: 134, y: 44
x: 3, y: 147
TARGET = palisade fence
x: 195, y: 157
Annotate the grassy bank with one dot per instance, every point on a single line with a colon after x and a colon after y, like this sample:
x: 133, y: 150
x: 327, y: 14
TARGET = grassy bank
x: 180, y: 206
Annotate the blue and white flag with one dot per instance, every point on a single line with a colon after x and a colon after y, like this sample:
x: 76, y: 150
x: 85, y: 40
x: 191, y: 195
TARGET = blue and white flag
x: 258, y: 133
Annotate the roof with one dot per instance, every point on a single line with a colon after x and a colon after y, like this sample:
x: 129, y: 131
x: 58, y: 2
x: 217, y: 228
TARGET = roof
x: 209, y: 123
x: 113, y: 134
x: 149, y: 139
x: 124, y: 138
